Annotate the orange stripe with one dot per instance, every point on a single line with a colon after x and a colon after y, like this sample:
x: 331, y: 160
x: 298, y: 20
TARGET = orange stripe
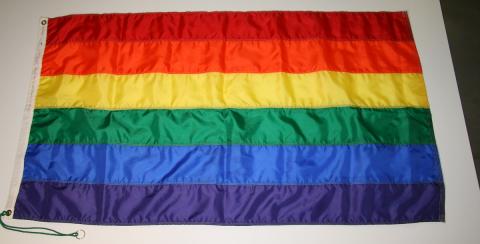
x: 231, y: 57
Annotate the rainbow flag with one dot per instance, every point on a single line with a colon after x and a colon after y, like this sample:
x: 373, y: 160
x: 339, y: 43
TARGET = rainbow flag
x: 231, y: 118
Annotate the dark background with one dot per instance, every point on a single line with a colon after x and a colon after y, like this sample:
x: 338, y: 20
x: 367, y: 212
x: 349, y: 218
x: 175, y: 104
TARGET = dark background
x: 462, y: 21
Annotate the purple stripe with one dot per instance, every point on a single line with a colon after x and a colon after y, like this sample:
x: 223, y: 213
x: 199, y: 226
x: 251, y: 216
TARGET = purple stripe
x: 230, y: 205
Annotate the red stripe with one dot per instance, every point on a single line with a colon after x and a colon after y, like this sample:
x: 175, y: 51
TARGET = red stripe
x: 230, y: 25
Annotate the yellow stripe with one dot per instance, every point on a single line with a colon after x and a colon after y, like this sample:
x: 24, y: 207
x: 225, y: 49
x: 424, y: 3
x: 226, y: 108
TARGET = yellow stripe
x: 239, y: 90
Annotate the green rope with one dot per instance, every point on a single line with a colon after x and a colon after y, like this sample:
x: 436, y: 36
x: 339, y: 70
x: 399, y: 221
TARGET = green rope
x: 37, y: 230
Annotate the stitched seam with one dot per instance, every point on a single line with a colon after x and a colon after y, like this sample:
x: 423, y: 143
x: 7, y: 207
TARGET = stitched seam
x: 230, y: 222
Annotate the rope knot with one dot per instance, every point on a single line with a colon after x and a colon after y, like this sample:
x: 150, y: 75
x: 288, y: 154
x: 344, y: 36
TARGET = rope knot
x: 79, y: 234
x: 6, y: 213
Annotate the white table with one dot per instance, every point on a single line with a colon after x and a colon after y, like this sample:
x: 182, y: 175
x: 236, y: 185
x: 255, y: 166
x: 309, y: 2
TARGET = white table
x: 19, y: 26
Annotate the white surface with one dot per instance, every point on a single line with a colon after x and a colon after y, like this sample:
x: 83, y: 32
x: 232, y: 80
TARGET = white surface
x: 19, y: 28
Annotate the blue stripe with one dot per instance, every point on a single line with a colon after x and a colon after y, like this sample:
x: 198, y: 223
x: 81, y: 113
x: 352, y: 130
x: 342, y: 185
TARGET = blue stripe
x: 232, y: 164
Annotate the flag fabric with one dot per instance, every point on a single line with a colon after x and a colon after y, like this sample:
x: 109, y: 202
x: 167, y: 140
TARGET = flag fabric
x: 231, y: 118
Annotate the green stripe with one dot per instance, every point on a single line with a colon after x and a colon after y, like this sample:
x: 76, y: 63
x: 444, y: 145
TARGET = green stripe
x: 327, y: 126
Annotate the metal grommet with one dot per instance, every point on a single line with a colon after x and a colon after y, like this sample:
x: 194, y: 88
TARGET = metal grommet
x: 44, y: 22
x: 80, y: 234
